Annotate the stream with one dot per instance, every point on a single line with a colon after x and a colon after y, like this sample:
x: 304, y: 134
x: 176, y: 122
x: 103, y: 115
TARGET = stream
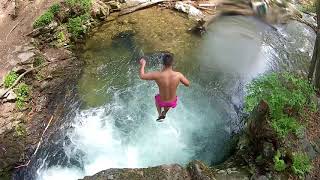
x: 112, y: 123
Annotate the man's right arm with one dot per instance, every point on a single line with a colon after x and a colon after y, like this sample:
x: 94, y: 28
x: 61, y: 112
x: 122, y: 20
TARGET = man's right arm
x: 146, y: 76
x: 184, y: 80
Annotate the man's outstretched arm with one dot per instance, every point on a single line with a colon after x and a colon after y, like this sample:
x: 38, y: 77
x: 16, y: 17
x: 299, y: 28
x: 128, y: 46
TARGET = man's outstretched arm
x: 146, y: 76
x: 184, y: 80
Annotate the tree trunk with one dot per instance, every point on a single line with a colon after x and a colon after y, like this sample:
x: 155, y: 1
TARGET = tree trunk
x: 317, y: 62
x: 313, y: 60
x: 314, y: 69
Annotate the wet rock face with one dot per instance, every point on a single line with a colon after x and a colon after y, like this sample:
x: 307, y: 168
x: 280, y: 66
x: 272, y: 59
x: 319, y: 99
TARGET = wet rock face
x: 20, y: 129
x: 12, y: 138
x: 164, y: 172
x: 195, y: 170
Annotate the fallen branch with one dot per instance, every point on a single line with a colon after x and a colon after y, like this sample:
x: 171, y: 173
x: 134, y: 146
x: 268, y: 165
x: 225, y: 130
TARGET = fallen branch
x: 20, y: 77
x: 205, y: 8
x: 207, y: 5
x: 140, y: 6
x: 38, y: 146
x: 14, y: 27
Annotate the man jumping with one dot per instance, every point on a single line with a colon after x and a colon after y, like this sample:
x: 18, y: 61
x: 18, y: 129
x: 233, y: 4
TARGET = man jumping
x: 167, y: 81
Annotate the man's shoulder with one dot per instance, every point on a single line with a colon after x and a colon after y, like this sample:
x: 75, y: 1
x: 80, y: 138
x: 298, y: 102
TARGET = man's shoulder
x: 177, y: 73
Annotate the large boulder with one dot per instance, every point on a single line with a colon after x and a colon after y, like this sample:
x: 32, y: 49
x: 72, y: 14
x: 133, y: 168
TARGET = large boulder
x: 164, y: 172
x: 195, y: 170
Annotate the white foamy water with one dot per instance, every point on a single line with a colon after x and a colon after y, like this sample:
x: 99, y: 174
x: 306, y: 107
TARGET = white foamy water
x: 123, y: 133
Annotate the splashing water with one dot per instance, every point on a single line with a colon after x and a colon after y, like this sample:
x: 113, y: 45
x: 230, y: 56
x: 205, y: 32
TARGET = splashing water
x: 115, y: 125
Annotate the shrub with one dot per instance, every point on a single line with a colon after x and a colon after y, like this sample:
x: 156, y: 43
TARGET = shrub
x: 285, y: 125
x: 84, y: 5
x: 22, y: 92
x: 55, y: 8
x: 43, y: 20
x: 301, y: 164
x: 76, y: 25
x: 47, y: 17
x: 279, y: 164
x: 283, y: 92
x: 10, y: 78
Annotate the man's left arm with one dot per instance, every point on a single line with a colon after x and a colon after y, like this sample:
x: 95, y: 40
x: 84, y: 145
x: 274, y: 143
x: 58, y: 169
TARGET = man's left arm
x: 146, y: 76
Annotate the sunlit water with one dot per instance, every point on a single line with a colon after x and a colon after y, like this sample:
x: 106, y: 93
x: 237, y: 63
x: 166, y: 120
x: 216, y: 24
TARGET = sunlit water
x: 114, y: 125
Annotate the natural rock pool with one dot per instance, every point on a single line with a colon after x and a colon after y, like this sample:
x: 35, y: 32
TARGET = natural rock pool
x: 113, y: 124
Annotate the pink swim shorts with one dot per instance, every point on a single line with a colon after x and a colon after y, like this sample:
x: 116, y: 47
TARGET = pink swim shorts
x: 171, y: 104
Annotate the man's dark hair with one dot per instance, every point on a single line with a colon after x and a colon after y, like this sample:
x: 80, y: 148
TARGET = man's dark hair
x: 167, y: 59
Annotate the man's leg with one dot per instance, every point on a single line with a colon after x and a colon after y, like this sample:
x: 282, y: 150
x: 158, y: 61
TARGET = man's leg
x: 166, y: 109
x: 158, y: 109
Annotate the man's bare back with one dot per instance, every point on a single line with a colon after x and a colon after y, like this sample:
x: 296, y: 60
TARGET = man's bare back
x: 167, y: 81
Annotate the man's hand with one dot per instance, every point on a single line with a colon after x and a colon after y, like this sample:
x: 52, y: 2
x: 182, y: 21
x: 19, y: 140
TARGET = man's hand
x: 146, y: 76
x: 142, y: 62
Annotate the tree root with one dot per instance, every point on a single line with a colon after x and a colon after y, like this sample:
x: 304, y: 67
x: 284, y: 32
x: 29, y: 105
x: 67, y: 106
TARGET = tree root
x: 14, y: 27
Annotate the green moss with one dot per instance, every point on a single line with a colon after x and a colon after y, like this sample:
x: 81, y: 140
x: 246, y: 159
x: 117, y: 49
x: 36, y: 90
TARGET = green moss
x: 76, y: 25
x: 20, y: 130
x: 286, y: 95
x: 23, y: 92
x: 38, y: 60
x: 279, y: 164
x: 84, y: 5
x: 61, y: 37
x: 44, y: 19
x: 10, y: 78
x: 301, y: 164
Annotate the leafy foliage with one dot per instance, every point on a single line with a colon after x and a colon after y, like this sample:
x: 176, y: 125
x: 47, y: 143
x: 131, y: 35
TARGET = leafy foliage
x: 47, y: 17
x: 301, y: 164
x: 55, y: 8
x: 76, y: 25
x: 285, y: 125
x: 44, y: 19
x: 279, y: 164
x: 285, y: 94
x: 81, y: 4
x: 22, y: 92
x: 10, y: 78
x: 61, y: 37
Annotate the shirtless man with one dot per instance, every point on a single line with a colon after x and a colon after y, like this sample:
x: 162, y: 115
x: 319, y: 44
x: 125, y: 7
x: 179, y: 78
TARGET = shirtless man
x: 167, y: 81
